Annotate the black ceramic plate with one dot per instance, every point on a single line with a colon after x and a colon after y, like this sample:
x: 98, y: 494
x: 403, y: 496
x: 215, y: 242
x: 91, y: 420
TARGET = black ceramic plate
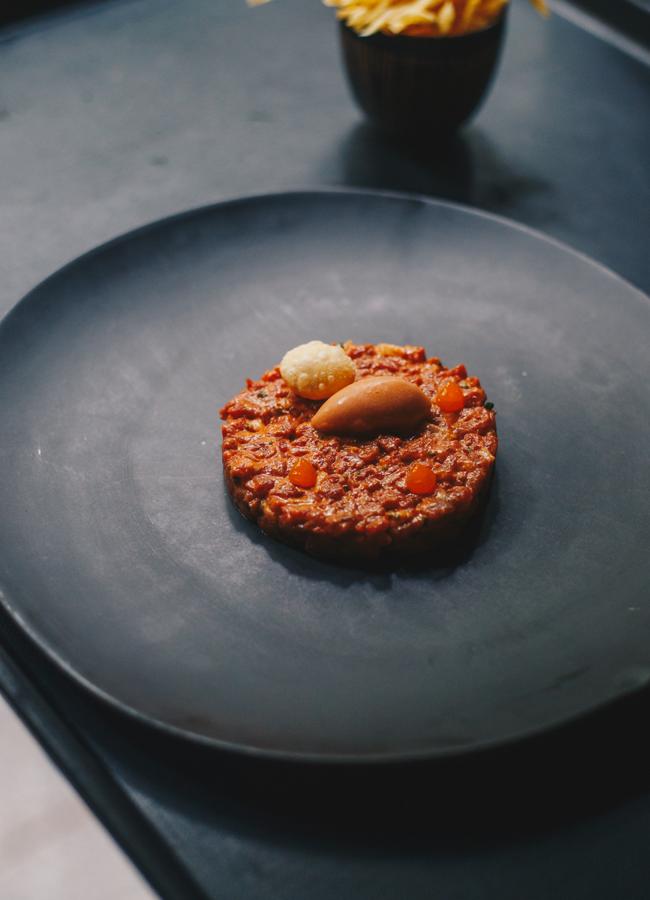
x: 120, y: 553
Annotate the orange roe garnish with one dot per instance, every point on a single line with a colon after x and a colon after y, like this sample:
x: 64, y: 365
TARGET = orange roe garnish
x: 421, y: 479
x: 303, y: 474
x: 450, y: 397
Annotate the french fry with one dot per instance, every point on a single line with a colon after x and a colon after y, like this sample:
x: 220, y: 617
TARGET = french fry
x: 468, y: 13
x: 541, y: 7
x: 422, y: 17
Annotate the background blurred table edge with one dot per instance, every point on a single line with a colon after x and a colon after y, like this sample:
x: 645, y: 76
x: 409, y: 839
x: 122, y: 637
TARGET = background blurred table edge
x: 80, y: 766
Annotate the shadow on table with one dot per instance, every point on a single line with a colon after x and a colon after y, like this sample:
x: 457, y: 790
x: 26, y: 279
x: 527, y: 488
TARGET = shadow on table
x: 465, y: 168
x: 476, y: 801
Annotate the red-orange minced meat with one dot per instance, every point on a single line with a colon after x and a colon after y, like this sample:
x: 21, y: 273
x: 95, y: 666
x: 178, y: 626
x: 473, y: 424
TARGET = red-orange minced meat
x: 360, y: 508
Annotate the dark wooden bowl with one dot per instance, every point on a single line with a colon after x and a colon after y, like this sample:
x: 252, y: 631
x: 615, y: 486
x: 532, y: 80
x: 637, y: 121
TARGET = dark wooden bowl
x: 421, y: 87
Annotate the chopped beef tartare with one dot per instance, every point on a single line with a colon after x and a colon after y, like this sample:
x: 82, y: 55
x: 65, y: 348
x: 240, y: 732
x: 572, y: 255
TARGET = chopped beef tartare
x: 361, y: 498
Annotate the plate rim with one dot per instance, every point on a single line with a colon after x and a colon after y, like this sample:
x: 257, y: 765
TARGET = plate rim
x: 268, y: 753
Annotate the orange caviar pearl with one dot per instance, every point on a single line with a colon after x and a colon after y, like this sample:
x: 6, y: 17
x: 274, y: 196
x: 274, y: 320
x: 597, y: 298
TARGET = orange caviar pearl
x: 303, y: 474
x: 421, y: 479
x: 450, y: 398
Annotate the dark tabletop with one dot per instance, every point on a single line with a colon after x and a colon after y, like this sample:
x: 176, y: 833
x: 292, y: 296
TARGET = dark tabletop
x: 116, y: 114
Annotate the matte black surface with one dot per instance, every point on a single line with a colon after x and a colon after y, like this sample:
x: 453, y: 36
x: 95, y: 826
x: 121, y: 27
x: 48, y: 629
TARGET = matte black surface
x: 121, y: 553
x: 126, y: 113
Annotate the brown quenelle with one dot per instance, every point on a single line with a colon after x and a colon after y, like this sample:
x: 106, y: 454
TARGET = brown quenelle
x: 380, y: 405
x: 383, y: 488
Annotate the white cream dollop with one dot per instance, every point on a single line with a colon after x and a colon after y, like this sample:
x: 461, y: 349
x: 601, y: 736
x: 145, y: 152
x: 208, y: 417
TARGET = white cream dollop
x: 316, y: 370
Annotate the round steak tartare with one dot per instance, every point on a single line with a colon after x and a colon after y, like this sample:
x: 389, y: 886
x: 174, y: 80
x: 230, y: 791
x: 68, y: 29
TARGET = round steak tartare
x: 361, y: 498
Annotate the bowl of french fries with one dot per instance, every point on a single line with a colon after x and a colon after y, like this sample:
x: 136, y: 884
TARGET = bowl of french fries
x: 421, y: 68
